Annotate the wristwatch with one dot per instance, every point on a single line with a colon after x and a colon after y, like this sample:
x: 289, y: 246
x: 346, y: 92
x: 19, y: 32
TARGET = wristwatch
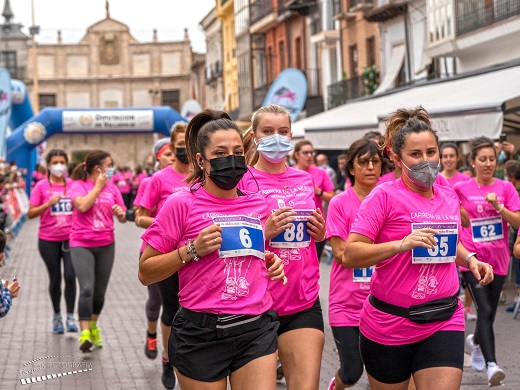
x: 469, y: 256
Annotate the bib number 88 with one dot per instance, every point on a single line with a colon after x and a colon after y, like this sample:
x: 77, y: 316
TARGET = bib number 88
x: 294, y: 232
x: 441, y: 247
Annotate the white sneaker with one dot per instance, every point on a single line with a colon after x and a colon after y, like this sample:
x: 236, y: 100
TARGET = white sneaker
x: 478, y: 362
x: 495, y: 374
x: 469, y: 315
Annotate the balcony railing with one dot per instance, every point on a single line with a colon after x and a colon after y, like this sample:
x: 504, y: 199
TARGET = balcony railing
x: 474, y: 14
x: 260, y: 9
x: 345, y: 90
x: 213, y: 71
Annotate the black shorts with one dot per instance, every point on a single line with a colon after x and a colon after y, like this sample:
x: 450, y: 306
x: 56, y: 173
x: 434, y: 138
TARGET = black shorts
x: 309, y: 318
x: 395, y: 363
x: 208, y: 355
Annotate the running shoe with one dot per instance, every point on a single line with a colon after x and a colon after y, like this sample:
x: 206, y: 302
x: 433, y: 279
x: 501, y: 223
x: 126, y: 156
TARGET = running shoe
x: 495, y: 375
x: 150, y: 348
x: 57, y: 324
x: 332, y: 384
x: 469, y: 315
x: 168, y: 376
x: 477, y: 359
x: 71, y: 323
x: 95, y: 335
x: 85, y: 342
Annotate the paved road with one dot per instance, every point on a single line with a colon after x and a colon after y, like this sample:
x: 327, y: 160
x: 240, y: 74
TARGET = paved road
x: 29, y: 349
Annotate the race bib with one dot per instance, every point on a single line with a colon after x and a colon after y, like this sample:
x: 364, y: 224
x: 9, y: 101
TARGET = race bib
x: 296, y: 236
x: 487, y: 229
x: 362, y: 275
x: 241, y: 236
x: 63, y: 207
x: 446, y: 249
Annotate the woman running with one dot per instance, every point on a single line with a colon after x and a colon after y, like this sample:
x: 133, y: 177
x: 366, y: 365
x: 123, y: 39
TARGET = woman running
x: 96, y: 201
x: 299, y: 224
x: 349, y: 288
x: 212, y: 235
x: 163, y: 183
x: 490, y: 204
x: 50, y: 200
x: 409, y: 228
x: 164, y: 158
x: 449, y: 157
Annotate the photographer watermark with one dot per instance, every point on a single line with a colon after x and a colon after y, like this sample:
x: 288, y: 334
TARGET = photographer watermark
x: 52, y: 367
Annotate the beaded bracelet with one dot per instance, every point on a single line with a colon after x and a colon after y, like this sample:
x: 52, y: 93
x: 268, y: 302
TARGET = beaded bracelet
x: 180, y: 257
x: 192, y: 252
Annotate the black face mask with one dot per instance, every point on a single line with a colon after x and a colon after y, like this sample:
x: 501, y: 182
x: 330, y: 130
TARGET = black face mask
x: 227, y: 171
x: 181, y: 155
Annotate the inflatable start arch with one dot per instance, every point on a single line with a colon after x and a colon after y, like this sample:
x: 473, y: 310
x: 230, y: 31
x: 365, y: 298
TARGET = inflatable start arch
x: 30, y: 131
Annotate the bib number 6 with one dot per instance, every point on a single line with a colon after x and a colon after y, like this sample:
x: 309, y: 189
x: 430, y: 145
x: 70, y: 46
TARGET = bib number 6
x: 441, y: 248
x: 245, y: 239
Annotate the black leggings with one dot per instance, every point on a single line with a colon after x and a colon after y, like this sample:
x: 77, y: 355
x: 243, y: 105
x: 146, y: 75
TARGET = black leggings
x: 169, y: 289
x: 52, y: 253
x: 486, y: 301
x: 154, y: 301
x: 93, y: 267
x: 351, y: 364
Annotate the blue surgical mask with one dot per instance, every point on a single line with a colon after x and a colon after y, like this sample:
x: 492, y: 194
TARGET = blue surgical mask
x: 109, y: 172
x: 274, y: 147
x: 423, y: 175
x: 502, y: 157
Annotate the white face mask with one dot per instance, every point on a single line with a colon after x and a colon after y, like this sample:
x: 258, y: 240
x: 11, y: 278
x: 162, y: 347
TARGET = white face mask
x: 58, y: 170
x: 274, y: 147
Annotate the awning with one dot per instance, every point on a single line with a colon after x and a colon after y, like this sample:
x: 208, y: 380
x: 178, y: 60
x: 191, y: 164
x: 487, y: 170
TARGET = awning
x: 461, y: 108
x: 392, y: 70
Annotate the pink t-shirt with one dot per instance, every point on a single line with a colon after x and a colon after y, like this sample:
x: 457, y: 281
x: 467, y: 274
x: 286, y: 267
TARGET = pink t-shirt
x: 233, y: 285
x: 94, y: 227
x: 141, y: 190
x: 458, y: 178
x: 321, y: 180
x: 484, y: 236
x: 55, y: 222
x: 300, y: 260
x: 164, y: 183
x: 140, y: 177
x: 387, y: 214
x: 121, y: 182
x: 346, y: 294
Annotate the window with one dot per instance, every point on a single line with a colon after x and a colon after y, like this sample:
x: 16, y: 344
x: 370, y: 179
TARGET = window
x: 172, y: 98
x: 353, y: 60
x: 8, y: 59
x: 371, y: 51
x: 270, y: 59
x: 47, y: 100
x: 298, y: 52
x: 281, y: 49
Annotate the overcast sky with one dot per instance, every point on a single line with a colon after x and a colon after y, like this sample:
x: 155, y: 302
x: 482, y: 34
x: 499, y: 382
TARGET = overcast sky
x: 73, y: 17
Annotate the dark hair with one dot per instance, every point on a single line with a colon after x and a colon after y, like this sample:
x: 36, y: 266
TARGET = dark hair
x: 3, y: 240
x: 360, y: 148
x: 299, y: 145
x: 466, y: 168
x: 93, y: 159
x: 447, y: 145
x: 198, y: 134
x: 403, y: 122
x: 513, y: 169
x: 373, y: 134
x: 478, y: 143
x: 56, y: 152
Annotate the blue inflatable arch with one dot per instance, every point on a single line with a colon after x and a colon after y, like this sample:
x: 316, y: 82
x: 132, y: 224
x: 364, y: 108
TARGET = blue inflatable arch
x: 30, y: 131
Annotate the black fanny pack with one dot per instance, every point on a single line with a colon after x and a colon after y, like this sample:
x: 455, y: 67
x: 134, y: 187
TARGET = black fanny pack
x: 228, y: 325
x: 436, y: 310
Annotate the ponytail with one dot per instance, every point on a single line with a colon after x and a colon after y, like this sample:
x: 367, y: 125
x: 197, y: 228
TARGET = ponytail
x: 84, y: 169
x: 198, y: 134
